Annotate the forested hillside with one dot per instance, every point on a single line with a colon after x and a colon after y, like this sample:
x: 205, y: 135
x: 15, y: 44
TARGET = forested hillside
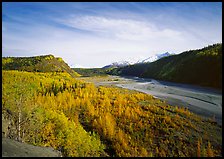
x: 79, y: 119
x: 200, y: 67
x: 47, y: 63
x: 91, y: 71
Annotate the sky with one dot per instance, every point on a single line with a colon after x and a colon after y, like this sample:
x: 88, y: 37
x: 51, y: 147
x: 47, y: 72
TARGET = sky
x: 95, y: 34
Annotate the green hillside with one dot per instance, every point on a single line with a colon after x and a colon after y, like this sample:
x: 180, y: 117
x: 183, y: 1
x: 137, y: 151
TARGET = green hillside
x: 47, y: 63
x: 91, y: 71
x: 200, y: 67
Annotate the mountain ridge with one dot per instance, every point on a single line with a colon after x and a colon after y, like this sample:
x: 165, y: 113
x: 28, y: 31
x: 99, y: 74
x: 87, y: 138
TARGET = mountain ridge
x: 127, y: 63
x: 43, y: 63
x: 155, y: 57
x: 117, y: 64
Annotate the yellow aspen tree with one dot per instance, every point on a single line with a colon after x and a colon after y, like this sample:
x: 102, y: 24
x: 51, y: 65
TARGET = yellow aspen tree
x: 199, y: 147
x: 209, y: 150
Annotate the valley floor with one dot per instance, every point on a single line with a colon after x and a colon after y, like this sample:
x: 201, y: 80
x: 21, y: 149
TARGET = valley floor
x: 202, y: 101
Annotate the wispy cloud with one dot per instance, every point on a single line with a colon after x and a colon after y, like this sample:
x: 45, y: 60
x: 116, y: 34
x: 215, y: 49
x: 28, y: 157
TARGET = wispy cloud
x: 127, y: 29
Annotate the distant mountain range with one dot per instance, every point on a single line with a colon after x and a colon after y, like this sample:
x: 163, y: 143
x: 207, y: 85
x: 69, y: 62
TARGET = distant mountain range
x: 117, y: 64
x: 149, y: 59
x: 155, y: 57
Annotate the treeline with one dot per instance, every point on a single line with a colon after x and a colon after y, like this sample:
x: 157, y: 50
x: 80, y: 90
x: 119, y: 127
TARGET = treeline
x: 79, y: 119
x: 200, y: 67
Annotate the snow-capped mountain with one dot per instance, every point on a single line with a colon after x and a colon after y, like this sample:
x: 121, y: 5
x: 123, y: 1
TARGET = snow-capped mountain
x: 118, y: 64
x: 154, y: 57
x: 150, y: 59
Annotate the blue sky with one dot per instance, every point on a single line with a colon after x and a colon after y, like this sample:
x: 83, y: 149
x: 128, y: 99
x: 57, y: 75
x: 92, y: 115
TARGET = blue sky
x: 94, y: 34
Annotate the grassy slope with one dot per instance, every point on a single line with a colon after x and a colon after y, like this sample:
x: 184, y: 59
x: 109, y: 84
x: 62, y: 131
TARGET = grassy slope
x: 60, y: 111
x: 201, y: 67
x: 46, y: 63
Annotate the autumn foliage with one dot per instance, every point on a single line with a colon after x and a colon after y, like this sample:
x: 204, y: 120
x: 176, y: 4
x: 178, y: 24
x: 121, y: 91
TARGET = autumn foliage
x: 80, y: 119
